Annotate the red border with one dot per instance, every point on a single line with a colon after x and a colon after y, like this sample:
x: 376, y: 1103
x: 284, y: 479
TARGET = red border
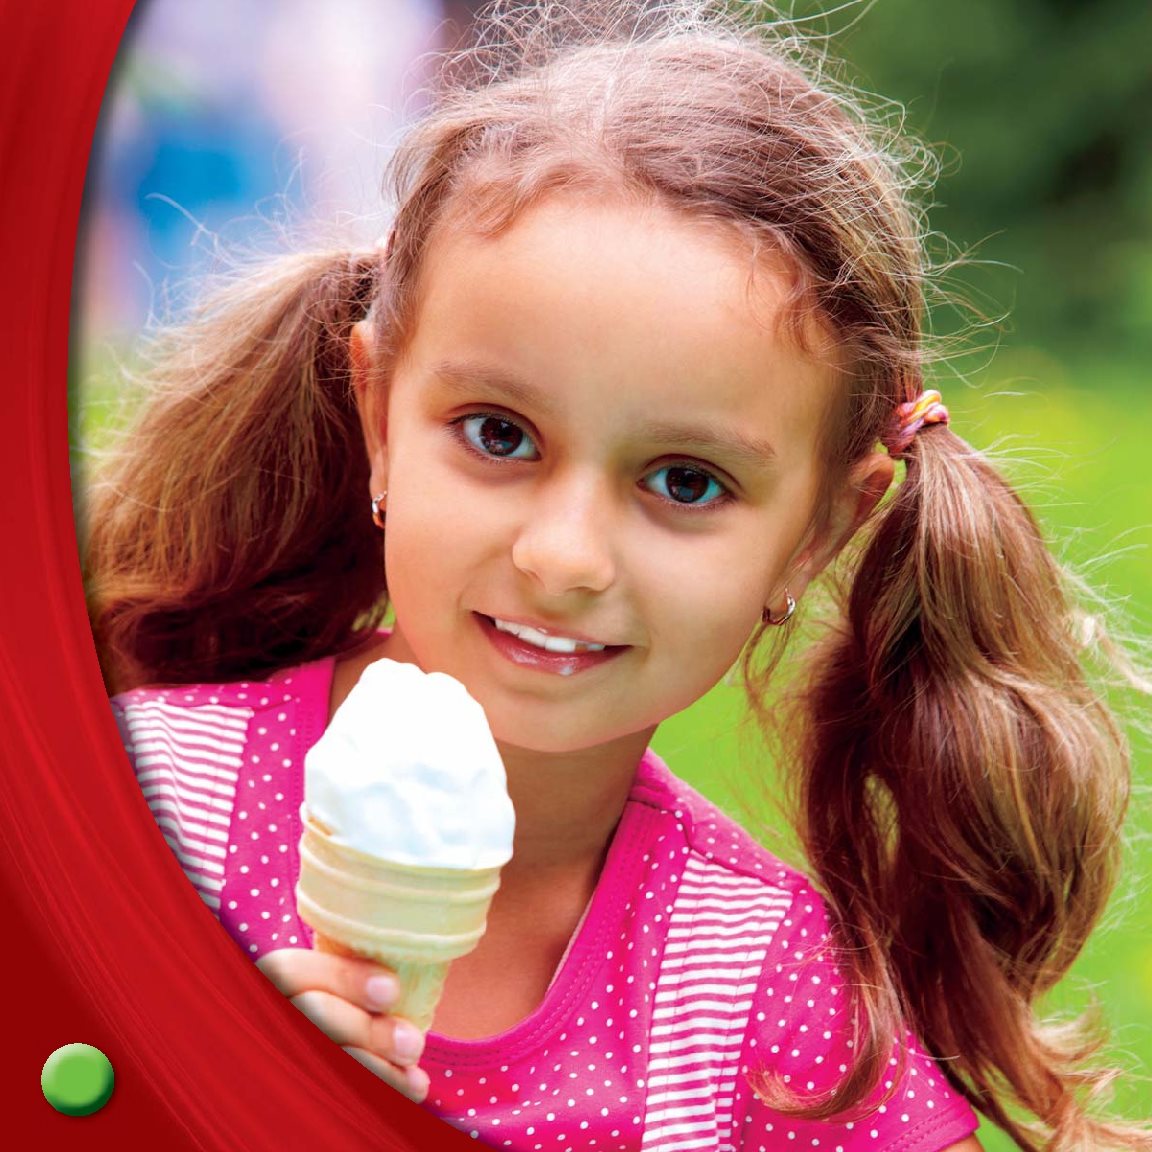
x: 106, y: 942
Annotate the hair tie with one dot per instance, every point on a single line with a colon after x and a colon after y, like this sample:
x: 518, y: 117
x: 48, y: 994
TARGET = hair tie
x: 927, y: 408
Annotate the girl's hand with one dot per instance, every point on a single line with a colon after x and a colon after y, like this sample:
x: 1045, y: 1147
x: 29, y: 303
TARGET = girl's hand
x: 348, y: 998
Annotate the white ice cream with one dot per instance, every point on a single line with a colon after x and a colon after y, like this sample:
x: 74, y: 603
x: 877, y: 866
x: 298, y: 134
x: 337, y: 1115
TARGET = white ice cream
x: 408, y: 771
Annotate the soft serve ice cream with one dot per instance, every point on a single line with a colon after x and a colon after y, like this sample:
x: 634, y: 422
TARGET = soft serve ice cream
x: 408, y: 771
x: 406, y: 825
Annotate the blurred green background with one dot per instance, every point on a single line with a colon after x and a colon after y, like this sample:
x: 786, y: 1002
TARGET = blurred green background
x: 1042, y: 113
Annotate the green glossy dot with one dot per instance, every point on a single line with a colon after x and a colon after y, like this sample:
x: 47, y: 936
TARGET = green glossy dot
x: 77, y: 1080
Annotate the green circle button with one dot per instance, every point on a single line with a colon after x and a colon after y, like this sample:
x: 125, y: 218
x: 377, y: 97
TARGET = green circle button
x: 77, y: 1080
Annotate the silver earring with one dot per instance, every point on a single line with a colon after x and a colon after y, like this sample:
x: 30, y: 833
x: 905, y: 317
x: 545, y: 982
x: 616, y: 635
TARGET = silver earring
x: 789, y: 607
x: 378, y: 509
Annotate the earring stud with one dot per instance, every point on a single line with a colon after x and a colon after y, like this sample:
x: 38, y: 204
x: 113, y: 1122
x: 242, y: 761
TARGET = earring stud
x: 789, y: 607
x: 378, y: 509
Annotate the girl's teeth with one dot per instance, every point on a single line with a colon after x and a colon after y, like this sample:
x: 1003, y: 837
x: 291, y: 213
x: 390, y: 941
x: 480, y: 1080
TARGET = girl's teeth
x: 543, y: 640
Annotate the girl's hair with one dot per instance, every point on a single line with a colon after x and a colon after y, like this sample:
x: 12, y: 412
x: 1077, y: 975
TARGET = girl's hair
x: 962, y: 785
x: 226, y: 535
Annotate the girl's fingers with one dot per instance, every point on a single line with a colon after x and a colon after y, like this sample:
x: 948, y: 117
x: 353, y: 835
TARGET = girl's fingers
x: 359, y: 981
x: 413, y: 1082
x: 395, y: 1040
x: 347, y: 998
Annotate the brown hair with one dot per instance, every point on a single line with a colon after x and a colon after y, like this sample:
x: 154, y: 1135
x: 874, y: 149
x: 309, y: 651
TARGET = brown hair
x: 225, y: 534
x: 961, y: 784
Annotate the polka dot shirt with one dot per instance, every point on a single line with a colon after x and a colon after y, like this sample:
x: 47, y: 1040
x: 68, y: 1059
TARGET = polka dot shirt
x: 702, y: 968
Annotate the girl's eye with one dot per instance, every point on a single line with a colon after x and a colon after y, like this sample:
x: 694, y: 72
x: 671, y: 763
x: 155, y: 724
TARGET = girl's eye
x: 683, y: 484
x: 495, y: 436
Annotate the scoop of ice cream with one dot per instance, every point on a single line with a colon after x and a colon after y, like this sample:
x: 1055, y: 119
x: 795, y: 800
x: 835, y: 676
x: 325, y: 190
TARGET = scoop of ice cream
x: 408, y: 771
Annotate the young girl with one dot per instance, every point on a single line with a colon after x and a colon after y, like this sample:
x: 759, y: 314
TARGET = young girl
x: 636, y: 361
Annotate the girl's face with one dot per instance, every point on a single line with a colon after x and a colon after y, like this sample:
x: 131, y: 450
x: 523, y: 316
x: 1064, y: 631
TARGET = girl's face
x: 602, y: 462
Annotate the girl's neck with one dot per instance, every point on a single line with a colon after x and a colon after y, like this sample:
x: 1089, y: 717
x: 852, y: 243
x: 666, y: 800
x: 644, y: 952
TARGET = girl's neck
x: 568, y: 804
x: 567, y: 810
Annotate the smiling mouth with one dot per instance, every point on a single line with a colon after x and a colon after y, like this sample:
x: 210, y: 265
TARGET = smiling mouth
x: 545, y: 641
x: 536, y: 650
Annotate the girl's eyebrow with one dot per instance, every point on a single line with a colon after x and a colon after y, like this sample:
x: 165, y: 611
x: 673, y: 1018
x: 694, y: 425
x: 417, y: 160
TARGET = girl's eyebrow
x: 730, y: 443
x: 463, y: 376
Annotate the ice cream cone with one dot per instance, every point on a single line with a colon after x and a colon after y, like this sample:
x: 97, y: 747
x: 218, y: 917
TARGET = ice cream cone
x: 413, y: 919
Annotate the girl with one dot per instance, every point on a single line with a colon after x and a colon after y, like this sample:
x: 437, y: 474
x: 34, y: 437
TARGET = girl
x: 634, y: 364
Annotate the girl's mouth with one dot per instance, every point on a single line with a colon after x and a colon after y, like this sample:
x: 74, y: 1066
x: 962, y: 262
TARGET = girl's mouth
x: 533, y: 648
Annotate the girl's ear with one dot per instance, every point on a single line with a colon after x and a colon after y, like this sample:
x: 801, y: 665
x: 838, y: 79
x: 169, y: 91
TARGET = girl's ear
x: 868, y: 480
x: 371, y: 402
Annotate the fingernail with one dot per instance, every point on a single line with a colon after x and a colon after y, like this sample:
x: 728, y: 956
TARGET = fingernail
x: 408, y: 1041
x: 380, y: 991
x: 419, y: 1083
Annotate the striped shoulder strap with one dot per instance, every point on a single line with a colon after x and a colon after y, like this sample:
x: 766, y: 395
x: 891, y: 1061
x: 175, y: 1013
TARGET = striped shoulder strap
x: 187, y: 761
x: 720, y: 929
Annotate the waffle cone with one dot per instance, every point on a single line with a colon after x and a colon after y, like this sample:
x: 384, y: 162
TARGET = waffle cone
x: 412, y: 919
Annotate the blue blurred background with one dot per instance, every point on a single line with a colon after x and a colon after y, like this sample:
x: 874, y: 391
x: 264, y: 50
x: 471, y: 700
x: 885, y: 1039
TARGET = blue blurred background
x: 230, y: 121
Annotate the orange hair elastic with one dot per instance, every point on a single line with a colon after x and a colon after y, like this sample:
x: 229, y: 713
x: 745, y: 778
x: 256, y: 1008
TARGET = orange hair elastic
x: 927, y: 408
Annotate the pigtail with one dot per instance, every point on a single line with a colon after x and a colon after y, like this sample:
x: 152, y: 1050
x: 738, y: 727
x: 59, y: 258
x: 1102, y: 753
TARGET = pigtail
x: 963, y: 796
x: 229, y: 535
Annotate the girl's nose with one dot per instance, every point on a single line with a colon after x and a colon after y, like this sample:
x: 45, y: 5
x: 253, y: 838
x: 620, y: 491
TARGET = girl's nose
x: 565, y: 542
